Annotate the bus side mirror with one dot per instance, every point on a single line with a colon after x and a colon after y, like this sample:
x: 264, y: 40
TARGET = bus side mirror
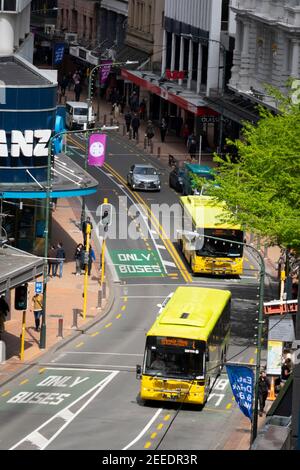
x: 138, y: 372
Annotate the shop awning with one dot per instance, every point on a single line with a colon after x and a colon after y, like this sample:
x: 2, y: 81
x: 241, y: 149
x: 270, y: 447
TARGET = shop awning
x: 68, y: 180
x: 17, y: 267
x: 234, y: 107
x: 169, y: 91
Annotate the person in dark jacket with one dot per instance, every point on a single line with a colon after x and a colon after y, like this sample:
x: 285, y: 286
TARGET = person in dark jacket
x: 135, y: 124
x: 163, y: 129
x: 60, y: 256
x: 128, y: 118
x: 92, y: 257
x: 78, y: 258
x: 192, y: 146
x: 150, y: 132
x: 263, y: 390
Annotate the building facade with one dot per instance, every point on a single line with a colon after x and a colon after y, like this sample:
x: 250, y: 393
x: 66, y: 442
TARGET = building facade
x: 267, y: 47
x: 15, y: 28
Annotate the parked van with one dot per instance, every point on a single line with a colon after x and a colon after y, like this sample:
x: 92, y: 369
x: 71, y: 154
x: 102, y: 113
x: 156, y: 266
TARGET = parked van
x: 76, y: 115
x: 193, y: 169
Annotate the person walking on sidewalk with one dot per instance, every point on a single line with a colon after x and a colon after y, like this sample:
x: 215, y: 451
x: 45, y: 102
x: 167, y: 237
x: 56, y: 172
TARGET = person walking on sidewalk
x: 128, y: 118
x: 135, y: 124
x: 263, y: 390
x: 60, y: 256
x: 4, y: 309
x: 51, y: 261
x: 192, y: 146
x: 149, y: 132
x: 92, y: 257
x: 37, y: 301
x: 163, y: 129
x: 84, y: 227
x: 78, y: 258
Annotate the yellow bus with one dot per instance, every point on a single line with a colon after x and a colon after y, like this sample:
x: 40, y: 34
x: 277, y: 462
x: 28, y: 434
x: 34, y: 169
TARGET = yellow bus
x: 186, y: 346
x: 208, y: 255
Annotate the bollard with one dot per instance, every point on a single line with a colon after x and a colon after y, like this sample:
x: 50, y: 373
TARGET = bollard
x: 60, y: 328
x: 111, y: 121
x: 151, y: 146
x: 104, y: 119
x: 2, y: 352
x: 99, y: 298
x: 103, y: 287
x: 158, y: 152
x: 145, y: 143
x: 75, y: 318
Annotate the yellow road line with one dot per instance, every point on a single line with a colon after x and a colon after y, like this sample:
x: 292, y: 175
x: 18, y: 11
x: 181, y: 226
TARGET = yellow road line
x: 118, y: 316
x: 162, y: 234
x: 251, y: 266
x: 167, y: 417
x: 147, y: 445
x: 42, y: 370
x: 108, y: 325
x: 125, y: 299
x: 160, y: 426
x: 24, y: 382
x: 153, y: 435
x: 95, y: 334
x: 79, y: 344
x: 124, y: 307
x: 228, y: 406
x: 251, y: 360
x: 5, y: 393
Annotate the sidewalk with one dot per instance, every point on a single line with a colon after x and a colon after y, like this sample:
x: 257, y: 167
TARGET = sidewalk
x: 63, y: 296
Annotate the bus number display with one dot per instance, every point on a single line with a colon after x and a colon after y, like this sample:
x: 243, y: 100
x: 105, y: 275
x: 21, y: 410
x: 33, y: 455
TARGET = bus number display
x: 178, y: 342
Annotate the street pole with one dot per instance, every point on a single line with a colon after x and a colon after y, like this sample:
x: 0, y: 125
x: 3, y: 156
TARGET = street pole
x: 200, y: 150
x: 86, y: 261
x: 261, y: 322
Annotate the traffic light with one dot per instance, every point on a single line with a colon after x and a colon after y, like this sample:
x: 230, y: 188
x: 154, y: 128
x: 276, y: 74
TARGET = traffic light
x: 21, y: 297
x: 106, y: 216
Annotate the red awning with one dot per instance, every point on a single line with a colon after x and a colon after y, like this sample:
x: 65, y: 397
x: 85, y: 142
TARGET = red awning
x: 167, y: 95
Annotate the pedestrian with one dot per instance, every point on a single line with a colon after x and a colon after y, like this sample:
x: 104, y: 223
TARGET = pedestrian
x: 116, y: 109
x: 135, y: 124
x: 63, y: 85
x: 143, y: 109
x: 149, y: 132
x: 4, y: 309
x: 37, y: 301
x: 263, y: 390
x: 78, y: 258
x: 185, y: 133
x: 163, y: 129
x: 77, y: 91
x: 84, y: 227
x: 92, y: 257
x: 192, y: 146
x: 128, y: 118
x: 52, y: 261
x: 133, y: 102
x: 60, y: 256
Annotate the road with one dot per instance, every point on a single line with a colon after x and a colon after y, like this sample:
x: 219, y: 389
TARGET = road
x: 84, y: 395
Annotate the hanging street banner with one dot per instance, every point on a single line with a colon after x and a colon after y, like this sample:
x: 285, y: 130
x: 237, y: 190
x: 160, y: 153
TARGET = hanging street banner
x: 137, y: 263
x: 104, y: 70
x: 97, y: 149
x: 274, y: 358
x: 59, y: 49
x: 241, y: 379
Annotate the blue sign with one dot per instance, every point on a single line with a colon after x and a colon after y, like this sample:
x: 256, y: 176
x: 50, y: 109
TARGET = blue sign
x: 59, y: 50
x: 38, y: 288
x: 241, y: 379
x: 58, y: 142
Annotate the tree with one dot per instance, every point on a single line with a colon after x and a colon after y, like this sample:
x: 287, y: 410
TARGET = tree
x: 262, y: 187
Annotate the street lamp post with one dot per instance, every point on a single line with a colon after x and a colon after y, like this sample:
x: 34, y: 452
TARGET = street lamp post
x: 89, y: 103
x: 223, y: 49
x: 46, y: 231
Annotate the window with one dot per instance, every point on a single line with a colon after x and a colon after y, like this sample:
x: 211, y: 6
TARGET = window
x: 9, y: 5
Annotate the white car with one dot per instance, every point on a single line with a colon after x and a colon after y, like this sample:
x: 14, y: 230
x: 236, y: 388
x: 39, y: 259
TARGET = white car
x: 143, y: 176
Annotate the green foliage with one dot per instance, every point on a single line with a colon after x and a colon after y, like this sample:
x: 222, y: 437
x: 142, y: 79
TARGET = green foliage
x: 262, y: 188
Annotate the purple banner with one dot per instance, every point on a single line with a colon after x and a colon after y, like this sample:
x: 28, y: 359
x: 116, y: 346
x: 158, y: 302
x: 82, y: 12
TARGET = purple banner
x: 97, y: 149
x: 104, y: 71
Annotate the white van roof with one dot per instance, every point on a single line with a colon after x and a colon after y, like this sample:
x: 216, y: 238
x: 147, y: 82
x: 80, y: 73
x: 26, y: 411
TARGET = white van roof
x: 77, y: 104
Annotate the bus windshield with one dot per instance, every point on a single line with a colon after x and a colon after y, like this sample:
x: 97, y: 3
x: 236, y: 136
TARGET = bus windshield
x: 174, y: 362
x: 216, y: 248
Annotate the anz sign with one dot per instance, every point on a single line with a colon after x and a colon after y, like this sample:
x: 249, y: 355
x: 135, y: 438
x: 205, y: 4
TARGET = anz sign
x: 28, y: 143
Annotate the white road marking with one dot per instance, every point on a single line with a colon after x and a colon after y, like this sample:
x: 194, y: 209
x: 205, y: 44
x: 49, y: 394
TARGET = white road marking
x: 144, y: 430
x: 66, y: 415
x: 101, y: 353
x: 40, y: 441
x: 169, y: 263
x: 161, y: 247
